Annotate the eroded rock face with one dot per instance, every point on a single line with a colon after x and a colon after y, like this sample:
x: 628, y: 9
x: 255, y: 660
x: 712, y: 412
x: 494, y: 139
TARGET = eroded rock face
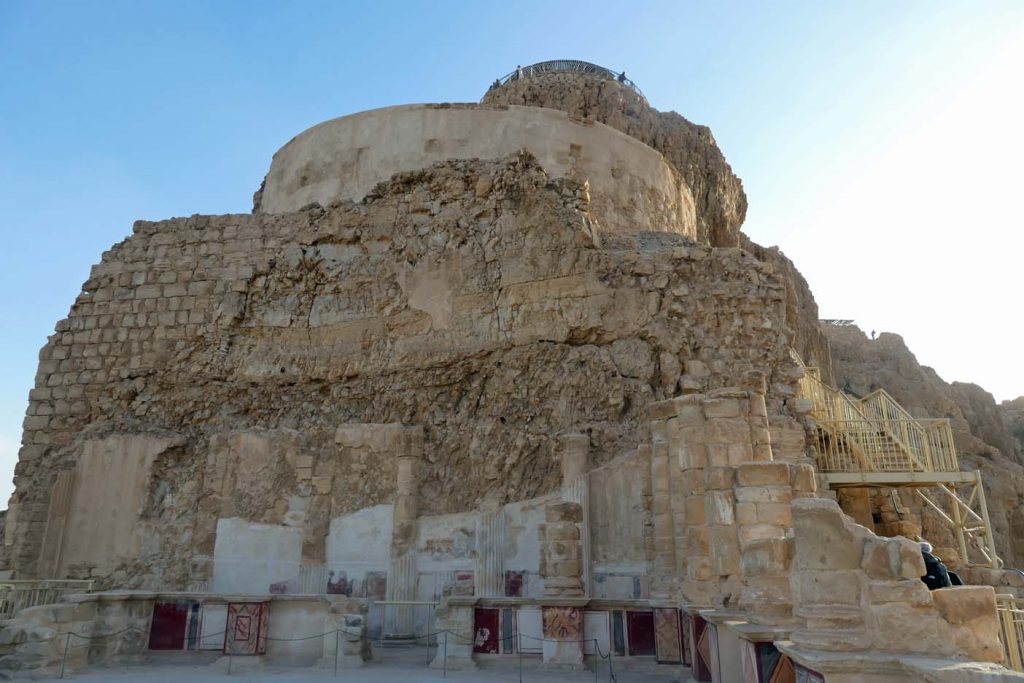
x: 982, y: 438
x: 495, y: 319
x: 863, y: 365
x: 1013, y: 417
x: 720, y: 201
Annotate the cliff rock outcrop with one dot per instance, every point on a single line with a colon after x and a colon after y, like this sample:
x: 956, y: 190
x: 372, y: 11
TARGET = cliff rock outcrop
x: 720, y: 201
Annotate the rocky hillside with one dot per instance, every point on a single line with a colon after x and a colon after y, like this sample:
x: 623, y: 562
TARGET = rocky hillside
x: 1013, y: 418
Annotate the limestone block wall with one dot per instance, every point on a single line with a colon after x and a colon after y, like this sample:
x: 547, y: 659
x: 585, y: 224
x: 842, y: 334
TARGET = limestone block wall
x: 854, y: 591
x: 561, y: 550
x: 37, y: 642
x: 496, y: 321
x: 631, y: 186
x: 723, y: 527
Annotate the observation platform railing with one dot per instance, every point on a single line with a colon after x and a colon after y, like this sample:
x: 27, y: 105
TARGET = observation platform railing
x: 569, y: 66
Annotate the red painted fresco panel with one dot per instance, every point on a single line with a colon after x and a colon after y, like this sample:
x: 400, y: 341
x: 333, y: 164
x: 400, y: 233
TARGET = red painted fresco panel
x: 167, y: 631
x: 486, y: 629
x: 640, y: 626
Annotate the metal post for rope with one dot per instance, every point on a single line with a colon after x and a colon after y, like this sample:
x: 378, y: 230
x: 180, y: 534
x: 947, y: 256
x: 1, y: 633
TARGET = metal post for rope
x: 64, y: 659
x: 337, y: 640
x: 445, y: 663
x: 519, y: 647
x: 230, y: 659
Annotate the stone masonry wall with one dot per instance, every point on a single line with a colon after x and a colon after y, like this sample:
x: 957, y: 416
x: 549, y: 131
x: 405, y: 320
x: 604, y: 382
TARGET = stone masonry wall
x: 854, y: 591
x: 473, y: 298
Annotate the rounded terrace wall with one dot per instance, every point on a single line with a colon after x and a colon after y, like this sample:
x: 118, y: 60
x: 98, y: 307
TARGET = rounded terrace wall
x: 632, y: 187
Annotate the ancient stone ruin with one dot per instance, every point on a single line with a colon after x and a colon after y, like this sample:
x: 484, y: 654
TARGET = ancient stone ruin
x: 507, y: 371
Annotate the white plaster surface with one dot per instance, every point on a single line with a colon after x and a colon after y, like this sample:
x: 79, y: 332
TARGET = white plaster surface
x: 530, y: 622
x: 361, y: 542
x: 249, y: 557
x: 596, y: 631
x: 213, y: 622
x: 632, y: 187
x: 446, y: 543
x: 296, y: 628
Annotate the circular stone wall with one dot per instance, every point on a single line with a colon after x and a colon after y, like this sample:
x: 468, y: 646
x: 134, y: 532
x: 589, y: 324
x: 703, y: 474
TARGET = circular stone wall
x: 632, y: 188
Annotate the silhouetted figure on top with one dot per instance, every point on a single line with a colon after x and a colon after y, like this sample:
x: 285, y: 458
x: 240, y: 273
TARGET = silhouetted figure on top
x: 622, y: 77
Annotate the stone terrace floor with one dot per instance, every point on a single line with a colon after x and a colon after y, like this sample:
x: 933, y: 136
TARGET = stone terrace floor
x: 395, y: 667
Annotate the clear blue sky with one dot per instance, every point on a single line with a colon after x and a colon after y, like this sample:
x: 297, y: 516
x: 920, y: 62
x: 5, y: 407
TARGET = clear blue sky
x: 879, y: 142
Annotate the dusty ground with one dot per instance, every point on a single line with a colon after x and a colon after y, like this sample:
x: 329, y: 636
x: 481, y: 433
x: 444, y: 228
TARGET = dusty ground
x: 403, y: 667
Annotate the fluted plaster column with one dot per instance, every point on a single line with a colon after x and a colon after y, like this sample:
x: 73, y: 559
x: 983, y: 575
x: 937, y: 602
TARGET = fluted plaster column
x: 402, y: 570
x: 574, y: 460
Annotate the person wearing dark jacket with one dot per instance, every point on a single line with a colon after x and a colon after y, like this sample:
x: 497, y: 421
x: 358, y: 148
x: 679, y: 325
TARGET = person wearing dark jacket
x: 935, y: 573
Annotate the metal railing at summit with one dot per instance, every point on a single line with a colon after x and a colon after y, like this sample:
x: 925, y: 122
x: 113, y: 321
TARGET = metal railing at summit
x: 568, y: 66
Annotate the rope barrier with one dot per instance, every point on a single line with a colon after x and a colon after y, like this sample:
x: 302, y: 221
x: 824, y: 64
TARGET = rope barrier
x: 338, y: 633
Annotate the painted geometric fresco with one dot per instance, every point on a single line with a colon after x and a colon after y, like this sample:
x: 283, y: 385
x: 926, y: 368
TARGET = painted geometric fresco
x: 701, y: 652
x: 563, y: 623
x: 711, y: 647
x: 763, y: 663
x: 666, y: 634
x: 805, y: 675
x: 247, y: 628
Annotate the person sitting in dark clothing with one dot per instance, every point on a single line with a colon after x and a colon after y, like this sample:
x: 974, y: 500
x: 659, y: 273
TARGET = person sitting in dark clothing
x: 936, y: 574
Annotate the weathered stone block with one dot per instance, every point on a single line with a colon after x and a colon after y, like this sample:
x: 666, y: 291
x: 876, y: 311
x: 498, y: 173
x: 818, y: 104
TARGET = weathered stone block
x: 776, y: 514
x: 912, y: 592
x: 746, y: 513
x: 825, y: 538
x: 763, y: 474
x: 723, y: 407
x: 563, y: 512
x: 561, y: 532
x: 767, y: 556
x: 718, y: 507
x: 740, y: 453
x: 964, y: 604
x: 829, y: 587
x: 720, y: 478
x: 802, y: 477
x: 727, y: 431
